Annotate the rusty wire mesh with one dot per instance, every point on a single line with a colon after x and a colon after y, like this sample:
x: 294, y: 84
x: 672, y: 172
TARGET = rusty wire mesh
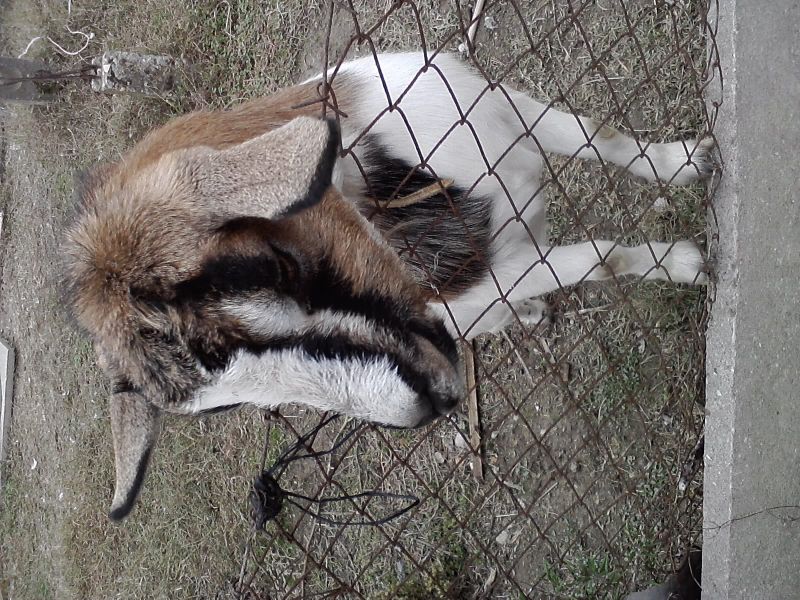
x: 583, y: 483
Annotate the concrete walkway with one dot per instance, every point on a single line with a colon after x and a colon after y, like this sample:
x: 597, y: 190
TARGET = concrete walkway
x: 752, y: 477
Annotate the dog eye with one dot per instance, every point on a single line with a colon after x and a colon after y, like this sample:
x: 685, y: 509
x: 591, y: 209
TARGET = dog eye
x: 288, y: 266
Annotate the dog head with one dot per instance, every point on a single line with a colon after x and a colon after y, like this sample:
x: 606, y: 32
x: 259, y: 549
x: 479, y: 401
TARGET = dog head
x: 212, y: 274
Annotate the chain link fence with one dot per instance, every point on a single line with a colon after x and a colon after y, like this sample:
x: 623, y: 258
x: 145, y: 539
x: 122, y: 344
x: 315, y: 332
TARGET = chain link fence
x: 579, y: 472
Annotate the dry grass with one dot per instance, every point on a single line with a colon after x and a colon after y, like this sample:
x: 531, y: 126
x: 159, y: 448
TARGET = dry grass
x: 580, y: 499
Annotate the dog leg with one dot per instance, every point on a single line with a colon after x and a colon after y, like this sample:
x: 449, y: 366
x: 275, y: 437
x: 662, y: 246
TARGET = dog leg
x: 486, y: 306
x: 678, y: 163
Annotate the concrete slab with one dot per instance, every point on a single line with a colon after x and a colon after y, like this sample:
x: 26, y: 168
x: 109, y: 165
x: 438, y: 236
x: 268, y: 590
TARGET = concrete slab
x: 6, y: 392
x: 752, y: 464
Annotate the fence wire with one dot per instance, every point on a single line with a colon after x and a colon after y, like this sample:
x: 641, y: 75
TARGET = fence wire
x: 581, y: 480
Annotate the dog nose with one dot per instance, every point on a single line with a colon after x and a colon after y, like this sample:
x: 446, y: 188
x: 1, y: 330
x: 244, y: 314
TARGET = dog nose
x: 445, y: 404
x: 437, y: 406
x: 425, y: 420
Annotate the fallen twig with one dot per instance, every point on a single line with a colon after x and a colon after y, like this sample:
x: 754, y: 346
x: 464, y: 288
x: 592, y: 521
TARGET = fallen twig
x: 692, y: 464
x: 473, y: 416
x: 477, y: 13
x: 518, y: 355
x: 421, y: 194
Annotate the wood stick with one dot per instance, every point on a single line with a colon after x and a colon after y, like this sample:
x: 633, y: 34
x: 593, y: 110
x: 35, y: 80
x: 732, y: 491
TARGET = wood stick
x: 420, y: 195
x: 476, y: 15
x: 473, y: 415
x: 518, y: 355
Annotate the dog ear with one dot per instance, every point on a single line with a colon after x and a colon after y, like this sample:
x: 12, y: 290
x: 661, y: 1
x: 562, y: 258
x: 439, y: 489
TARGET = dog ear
x: 271, y: 176
x: 135, y: 425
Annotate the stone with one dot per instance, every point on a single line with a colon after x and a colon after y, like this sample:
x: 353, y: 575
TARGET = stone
x: 150, y: 75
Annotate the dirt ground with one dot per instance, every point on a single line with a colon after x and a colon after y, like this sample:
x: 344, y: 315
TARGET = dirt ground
x: 585, y: 423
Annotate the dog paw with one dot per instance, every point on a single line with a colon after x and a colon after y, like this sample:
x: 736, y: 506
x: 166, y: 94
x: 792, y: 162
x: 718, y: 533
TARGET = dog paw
x: 688, y: 161
x: 684, y: 263
x: 533, y: 312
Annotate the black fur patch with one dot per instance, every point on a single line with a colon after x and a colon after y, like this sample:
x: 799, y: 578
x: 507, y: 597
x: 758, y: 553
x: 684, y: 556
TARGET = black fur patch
x: 436, y: 333
x: 220, y: 409
x: 235, y: 275
x: 212, y: 359
x: 321, y: 180
x: 228, y: 275
x: 329, y: 291
x: 445, y: 239
x: 121, y: 512
x: 339, y: 347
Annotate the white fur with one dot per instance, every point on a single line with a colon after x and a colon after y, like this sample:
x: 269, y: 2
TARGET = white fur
x: 371, y: 390
x: 273, y: 315
x: 448, y: 120
x: 267, y: 321
x: 368, y: 389
x: 548, y: 269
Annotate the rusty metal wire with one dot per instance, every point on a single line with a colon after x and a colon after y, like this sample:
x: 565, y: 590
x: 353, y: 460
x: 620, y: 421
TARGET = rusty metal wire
x: 590, y: 426
x: 85, y: 73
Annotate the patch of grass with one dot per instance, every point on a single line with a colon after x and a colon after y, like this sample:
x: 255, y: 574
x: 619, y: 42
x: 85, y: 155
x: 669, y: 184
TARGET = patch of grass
x: 197, y: 484
x: 83, y: 356
x: 10, y: 503
x: 587, y: 576
x: 255, y: 46
x: 617, y: 388
x: 443, y: 577
x: 22, y: 562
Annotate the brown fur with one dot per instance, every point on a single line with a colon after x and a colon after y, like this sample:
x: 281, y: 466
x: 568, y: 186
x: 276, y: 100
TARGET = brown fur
x: 124, y: 255
x: 339, y: 231
x: 223, y: 129
x: 144, y: 230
